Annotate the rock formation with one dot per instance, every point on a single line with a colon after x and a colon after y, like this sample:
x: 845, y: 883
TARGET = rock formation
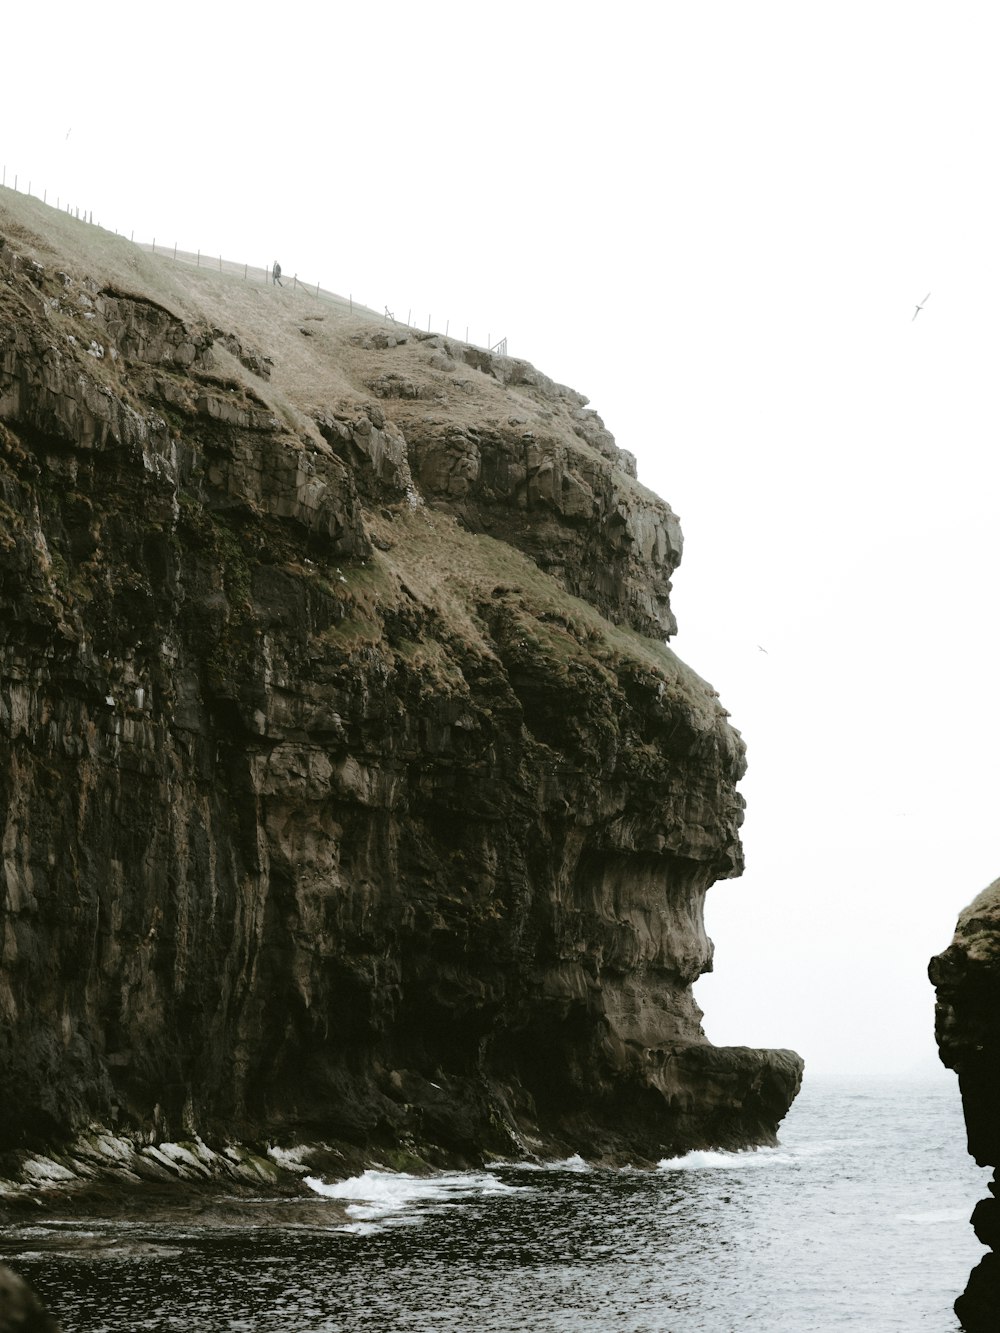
x: 967, y: 1026
x: 20, y: 1309
x: 348, y: 789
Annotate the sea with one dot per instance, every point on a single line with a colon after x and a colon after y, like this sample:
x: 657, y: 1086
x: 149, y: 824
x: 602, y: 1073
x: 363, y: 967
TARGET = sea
x: 858, y: 1220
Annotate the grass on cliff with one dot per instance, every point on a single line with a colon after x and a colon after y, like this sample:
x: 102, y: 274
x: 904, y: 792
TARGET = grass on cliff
x: 454, y: 571
x: 318, y: 361
x: 315, y: 344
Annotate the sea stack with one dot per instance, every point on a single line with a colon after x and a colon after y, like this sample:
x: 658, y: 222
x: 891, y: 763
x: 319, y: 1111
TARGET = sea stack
x: 350, y: 792
x: 967, y: 1026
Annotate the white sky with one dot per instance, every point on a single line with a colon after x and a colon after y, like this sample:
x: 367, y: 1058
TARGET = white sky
x: 715, y: 219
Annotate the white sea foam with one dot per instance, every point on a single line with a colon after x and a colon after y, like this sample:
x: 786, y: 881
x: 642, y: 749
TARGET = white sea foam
x: 574, y: 1163
x: 705, y: 1160
x: 289, y: 1158
x: 377, y: 1195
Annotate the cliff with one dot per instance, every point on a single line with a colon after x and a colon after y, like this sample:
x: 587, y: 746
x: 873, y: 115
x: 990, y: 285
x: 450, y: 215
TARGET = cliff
x: 349, y: 791
x: 967, y: 1026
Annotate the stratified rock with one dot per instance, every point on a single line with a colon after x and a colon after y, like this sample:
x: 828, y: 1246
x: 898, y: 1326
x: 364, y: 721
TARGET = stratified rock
x: 349, y: 792
x: 967, y: 978
x: 20, y: 1309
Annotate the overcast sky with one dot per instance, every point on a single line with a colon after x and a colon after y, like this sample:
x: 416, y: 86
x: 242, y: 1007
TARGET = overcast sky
x: 716, y: 220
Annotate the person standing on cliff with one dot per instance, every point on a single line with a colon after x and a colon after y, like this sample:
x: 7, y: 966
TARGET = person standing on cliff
x: 276, y: 275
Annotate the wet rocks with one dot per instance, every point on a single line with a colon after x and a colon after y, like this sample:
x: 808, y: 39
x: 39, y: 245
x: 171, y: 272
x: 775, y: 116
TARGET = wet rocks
x: 21, y: 1311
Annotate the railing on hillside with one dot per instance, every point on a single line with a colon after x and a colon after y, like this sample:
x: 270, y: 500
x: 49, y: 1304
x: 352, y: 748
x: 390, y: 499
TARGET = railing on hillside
x: 249, y: 272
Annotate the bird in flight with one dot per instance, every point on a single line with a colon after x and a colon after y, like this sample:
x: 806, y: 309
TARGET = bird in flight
x: 921, y: 306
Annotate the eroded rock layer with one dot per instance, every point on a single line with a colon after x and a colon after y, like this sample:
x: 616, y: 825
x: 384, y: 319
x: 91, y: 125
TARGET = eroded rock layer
x: 967, y: 1026
x: 348, y: 789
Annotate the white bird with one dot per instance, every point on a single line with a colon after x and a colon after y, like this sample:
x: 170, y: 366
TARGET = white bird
x: 921, y: 306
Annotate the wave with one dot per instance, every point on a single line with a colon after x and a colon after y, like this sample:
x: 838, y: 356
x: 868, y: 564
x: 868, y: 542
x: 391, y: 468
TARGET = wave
x: 377, y: 1195
x: 709, y: 1160
x: 574, y: 1163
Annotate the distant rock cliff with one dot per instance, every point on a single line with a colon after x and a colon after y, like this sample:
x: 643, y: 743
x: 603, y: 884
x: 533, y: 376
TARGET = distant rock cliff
x: 967, y: 977
x: 348, y: 789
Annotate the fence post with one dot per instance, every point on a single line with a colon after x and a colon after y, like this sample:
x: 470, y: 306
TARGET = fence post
x: 408, y: 314
x: 295, y: 281
x: 428, y: 323
x: 220, y: 263
x: 466, y: 333
x: 175, y: 249
x: 45, y: 196
x: 15, y: 180
x: 154, y: 245
x: 317, y: 289
x: 446, y: 323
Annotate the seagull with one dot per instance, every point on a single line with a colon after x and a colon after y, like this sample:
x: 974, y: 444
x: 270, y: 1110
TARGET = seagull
x: 762, y: 649
x: 921, y: 306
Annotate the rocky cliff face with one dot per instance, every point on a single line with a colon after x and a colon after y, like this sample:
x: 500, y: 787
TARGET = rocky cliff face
x: 967, y: 1026
x: 348, y: 789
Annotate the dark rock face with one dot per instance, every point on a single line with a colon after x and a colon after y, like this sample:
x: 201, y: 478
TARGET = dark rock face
x: 326, y: 816
x: 967, y: 978
x: 20, y: 1309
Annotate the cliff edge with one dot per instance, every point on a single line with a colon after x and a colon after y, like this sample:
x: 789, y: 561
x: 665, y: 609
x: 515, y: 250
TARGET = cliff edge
x: 349, y: 792
x: 967, y: 1027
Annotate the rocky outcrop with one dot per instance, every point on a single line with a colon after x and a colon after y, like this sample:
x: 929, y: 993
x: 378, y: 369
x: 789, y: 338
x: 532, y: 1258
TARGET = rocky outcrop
x: 20, y: 1309
x: 349, y: 792
x: 967, y: 978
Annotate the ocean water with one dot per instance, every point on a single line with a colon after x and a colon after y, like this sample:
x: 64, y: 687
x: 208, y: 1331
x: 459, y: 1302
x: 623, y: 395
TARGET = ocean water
x: 858, y: 1220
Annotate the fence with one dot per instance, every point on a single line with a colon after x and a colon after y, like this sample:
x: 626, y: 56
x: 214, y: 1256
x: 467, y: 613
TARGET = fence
x: 251, y: 273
